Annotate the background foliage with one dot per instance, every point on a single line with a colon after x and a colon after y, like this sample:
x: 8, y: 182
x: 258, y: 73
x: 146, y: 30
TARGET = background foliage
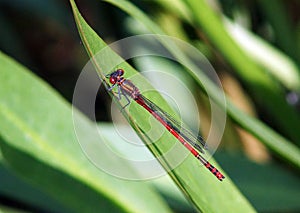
x: 44, y: 169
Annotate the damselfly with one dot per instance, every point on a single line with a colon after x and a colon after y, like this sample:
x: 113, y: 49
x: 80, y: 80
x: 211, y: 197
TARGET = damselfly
x: 195, y: 144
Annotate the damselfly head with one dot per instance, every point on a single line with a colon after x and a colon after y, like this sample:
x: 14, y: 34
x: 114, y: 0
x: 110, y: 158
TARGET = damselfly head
x: 115, y: 76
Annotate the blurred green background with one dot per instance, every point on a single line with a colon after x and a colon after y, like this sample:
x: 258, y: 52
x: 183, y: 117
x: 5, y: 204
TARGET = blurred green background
x: 42, y: 36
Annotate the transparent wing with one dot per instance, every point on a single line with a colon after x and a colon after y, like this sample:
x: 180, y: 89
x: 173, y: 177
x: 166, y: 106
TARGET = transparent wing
x: 196, y: 140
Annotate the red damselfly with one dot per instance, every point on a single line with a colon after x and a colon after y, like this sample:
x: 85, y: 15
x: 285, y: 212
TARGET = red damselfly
x: 195, y: 144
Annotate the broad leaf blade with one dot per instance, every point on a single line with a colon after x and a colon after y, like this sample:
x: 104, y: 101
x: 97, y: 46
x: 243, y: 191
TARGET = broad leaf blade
x: 39, y: 142
x: 207, y: 193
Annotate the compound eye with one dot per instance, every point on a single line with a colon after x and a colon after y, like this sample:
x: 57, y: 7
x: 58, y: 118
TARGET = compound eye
x: 112, y: 80
x: 120, y: 72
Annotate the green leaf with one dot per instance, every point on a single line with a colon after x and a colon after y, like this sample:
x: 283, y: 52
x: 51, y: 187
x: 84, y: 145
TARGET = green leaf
x: 283, y: 68
x: 279, y: 18
x: 38, y: 141
x: 277, y: 63
x: 265, y: 185
x: 203, y: 190
x: 263, y: 88
x: 12, y: 187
